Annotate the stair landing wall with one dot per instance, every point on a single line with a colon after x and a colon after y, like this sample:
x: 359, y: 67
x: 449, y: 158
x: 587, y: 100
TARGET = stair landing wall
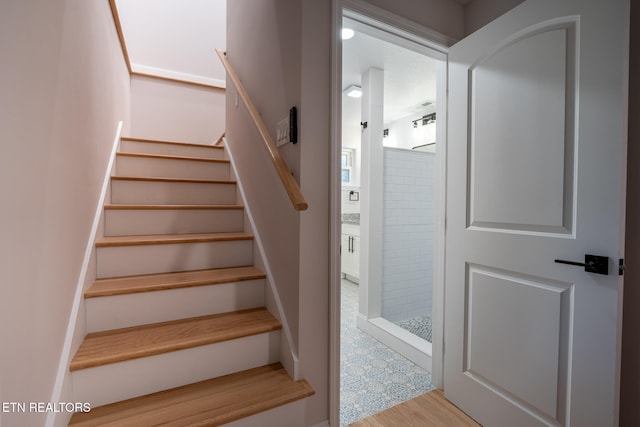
x: 174, y: 111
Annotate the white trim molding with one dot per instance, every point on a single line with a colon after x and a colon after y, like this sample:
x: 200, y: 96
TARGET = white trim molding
x: 395, y: 26
x: 73, y: 326
x: 289, y: 356
x: 400, y: 340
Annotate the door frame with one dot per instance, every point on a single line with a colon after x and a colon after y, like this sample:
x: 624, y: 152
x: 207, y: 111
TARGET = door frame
x: 396, y: 26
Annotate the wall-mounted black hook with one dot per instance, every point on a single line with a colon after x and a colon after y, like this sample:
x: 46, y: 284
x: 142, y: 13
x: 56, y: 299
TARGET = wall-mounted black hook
x: 364, y: 125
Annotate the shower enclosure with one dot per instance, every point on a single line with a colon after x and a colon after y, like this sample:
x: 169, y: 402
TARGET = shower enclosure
x: 408, y: 240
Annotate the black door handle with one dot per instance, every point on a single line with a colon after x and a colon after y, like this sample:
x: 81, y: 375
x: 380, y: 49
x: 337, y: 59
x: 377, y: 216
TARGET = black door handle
x: 592, y: 264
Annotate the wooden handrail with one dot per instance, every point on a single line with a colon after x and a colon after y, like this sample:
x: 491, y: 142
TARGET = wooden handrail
x: 219, y: 141
x: 290, y: 185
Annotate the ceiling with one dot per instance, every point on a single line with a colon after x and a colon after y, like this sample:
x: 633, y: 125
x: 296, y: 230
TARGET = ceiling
x: 175, y: 38
x: 409, y: 77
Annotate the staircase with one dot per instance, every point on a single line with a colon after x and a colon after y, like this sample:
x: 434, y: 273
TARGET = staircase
x: 178, y: 332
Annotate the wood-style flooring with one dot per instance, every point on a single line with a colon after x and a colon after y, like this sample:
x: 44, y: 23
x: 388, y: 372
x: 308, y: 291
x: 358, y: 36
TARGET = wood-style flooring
x: 428, y: 410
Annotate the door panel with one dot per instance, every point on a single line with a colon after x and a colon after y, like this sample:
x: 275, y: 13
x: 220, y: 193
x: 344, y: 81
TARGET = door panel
x: 533, y: 190
x: 517, y: 340
x: 535, y: 166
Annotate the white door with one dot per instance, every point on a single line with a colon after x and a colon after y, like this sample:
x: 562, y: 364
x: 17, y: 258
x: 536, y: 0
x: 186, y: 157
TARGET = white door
x: 536, y: 154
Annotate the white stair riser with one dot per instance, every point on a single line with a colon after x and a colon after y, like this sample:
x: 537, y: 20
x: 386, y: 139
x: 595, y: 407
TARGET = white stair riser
x: 171, y: 193
x: 123, y: 222
x: 170, y: 168
x: 171, y: 149
x: 121, y: 311
x: 149, y: 259
x: 289, y: 415
x: 119, y: 381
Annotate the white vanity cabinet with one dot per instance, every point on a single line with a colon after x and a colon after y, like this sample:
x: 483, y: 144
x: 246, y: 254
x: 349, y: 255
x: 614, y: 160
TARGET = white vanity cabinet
x: 351, y: 252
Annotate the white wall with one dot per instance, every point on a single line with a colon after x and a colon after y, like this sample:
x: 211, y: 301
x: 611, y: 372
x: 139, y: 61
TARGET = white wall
x: 402, y: 134
x: 408, y: 234
x: 272, y: 92
x: 350, y: 206
x: 175, y: 38
x: 281, y: 52
x: 64, y: 88
x: 351, y: 130
x: 173, y: 111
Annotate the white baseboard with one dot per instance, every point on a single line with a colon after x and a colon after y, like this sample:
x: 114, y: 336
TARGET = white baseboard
x: 63, y: 365
x: 289, y: 355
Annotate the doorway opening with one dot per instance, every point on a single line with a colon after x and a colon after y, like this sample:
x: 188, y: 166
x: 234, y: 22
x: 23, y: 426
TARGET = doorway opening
x: 391, y: 174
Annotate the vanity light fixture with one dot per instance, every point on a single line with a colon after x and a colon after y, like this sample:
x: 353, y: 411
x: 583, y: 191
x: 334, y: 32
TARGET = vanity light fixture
x: 354, y: 91
x: 424, y: 120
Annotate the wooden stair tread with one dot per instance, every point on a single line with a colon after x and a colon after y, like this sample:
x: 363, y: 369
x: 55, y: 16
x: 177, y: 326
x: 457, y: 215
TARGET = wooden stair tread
x: 101, y: 348
x: 164, y: 239
x: 178, y: 143
x: 183, y: 279
x: 171, y: 157
x: 167, y: 179
x: 171, y: 207
x: 207, y: 403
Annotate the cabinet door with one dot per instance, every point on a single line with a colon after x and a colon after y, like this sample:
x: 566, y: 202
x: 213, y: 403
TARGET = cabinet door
x: 355, y: 253
x: 350, y: 255
x: 347, y: 257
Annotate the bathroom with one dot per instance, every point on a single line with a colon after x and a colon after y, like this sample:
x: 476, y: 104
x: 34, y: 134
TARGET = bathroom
x: 388, y: 192
x: 388, y: 170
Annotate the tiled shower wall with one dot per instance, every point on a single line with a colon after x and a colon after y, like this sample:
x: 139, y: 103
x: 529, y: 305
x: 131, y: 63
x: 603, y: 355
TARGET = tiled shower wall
x: 408, y: 234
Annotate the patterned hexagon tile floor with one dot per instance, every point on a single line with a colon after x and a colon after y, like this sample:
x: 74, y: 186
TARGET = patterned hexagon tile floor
x: 420, y: 326
x: 372, y: 376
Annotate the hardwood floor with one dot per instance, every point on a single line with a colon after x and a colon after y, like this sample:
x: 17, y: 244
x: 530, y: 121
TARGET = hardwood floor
x: 428, y: 410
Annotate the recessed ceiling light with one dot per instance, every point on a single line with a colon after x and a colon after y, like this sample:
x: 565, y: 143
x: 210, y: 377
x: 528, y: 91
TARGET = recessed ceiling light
x: 347, y: 33
x: 354, y: 91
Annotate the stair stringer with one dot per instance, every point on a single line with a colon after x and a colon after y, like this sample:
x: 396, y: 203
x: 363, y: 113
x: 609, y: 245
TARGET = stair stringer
x: 77, y: 324
x: 288, y: 354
